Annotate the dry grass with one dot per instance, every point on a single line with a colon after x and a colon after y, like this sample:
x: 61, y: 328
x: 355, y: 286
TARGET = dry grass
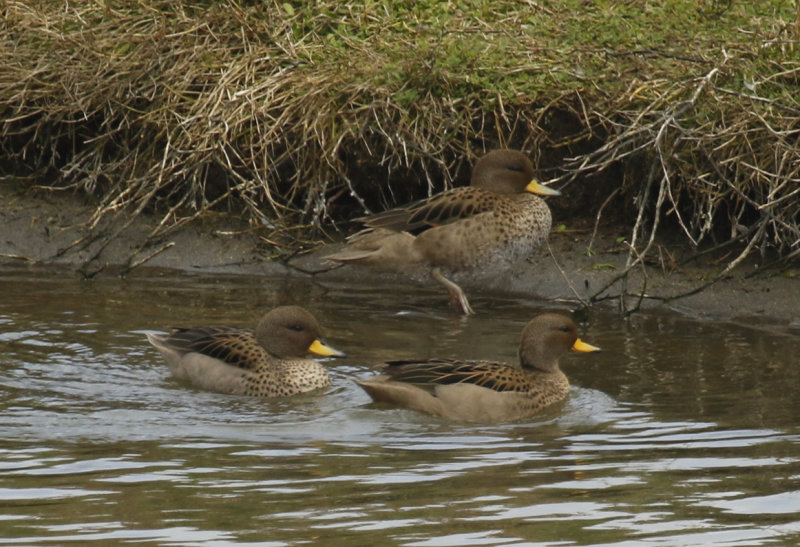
x: 720, y: 163
x: 191, y: 107
x: 300, y: 115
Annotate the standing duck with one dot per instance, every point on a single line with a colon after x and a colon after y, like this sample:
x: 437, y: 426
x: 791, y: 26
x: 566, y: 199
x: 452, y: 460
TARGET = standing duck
x: 268, y: 362
x: 467, y: 233
x: 484, y: 391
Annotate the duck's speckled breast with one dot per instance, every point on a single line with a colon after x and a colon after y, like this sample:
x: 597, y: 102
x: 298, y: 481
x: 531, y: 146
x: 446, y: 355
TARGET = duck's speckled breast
x: 545, y: 389
x: 490, y: 242
x: 287, y: 378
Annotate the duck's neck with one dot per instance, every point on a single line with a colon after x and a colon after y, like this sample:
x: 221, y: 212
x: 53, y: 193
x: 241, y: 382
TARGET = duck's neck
x: 541, y: 364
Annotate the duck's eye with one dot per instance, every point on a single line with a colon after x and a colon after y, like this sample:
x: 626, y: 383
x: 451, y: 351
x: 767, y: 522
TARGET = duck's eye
x: 516, y: 168
x: 296, y: 328
x: 564, y: 329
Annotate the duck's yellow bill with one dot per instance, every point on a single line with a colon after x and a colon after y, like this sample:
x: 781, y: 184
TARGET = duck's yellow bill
x: 535, y: 187
x: 580, y: 345
x: 318, y: 347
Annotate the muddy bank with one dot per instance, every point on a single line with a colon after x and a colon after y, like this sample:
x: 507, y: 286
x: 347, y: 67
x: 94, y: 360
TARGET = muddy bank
x: 42, y: 231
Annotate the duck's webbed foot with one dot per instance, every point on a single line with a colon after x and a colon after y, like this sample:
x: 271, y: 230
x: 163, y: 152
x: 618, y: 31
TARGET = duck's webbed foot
x: 457, y: 297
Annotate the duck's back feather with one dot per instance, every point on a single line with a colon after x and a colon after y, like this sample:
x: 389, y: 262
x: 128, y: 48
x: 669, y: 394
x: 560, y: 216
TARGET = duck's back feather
x: 430, y: 373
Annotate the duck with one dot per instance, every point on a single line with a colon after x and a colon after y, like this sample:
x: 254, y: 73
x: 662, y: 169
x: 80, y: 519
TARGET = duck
x: 460, y: 234
x: 269, y: 361
x: 485, y: 391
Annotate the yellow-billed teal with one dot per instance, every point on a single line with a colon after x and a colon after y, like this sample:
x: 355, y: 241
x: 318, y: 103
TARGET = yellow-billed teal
x: 267, y: 362
x: 468, y: 233
x: 483, y: 391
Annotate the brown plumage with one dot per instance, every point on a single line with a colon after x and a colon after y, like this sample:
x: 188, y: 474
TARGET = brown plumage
x: 463, y: 233
x: 481, y: 391
x: 267, y: 362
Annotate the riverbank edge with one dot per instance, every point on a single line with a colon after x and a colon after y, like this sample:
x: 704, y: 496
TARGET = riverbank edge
x: 41, y: 231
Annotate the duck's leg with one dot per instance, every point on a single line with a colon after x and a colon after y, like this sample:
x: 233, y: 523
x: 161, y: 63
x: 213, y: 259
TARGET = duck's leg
x: 457, y: 296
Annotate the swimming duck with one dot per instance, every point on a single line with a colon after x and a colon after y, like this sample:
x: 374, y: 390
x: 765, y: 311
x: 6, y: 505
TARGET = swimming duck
x: 267, y: 362
x: 484, y: 391
x: 465, y: 233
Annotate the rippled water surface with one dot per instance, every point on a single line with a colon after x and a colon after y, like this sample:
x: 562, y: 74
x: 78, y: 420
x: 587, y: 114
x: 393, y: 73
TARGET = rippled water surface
x: 679, y: 433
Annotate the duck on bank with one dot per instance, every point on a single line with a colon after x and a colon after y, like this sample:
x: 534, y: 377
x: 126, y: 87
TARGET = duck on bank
x: 469, y: 233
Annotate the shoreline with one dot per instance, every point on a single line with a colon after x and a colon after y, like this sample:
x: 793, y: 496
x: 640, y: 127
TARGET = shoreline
x: 44, y: 231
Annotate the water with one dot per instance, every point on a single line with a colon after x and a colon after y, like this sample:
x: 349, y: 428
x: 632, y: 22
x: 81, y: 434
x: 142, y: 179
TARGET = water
x: 679, y: 433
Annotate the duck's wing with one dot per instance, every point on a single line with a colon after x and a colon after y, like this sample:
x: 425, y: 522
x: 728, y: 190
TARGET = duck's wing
x: 231, y: 345
x: 438, y: 210
x: 427, y: 374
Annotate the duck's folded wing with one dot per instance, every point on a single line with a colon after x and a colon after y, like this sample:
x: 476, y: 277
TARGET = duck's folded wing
x: 430, y: 373
x: 435, y: 211
x: 228, y: 344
